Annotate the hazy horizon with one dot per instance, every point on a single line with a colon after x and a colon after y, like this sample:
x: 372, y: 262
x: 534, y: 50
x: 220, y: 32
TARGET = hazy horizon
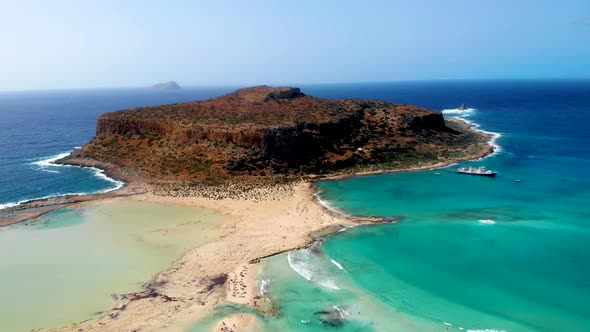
x: 108, y: 44
x: 298, y: 85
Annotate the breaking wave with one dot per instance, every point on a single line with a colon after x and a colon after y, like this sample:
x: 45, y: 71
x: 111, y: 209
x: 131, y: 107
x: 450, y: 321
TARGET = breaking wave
x: 326, y: 204
x: 455, y: 111
x: 48, y: 165
x: 464, y: 114
x: 338, y: 265
x: 487, y: 221
x: 300, y: 262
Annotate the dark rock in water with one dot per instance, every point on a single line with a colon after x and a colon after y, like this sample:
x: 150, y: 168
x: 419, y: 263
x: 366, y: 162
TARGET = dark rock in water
x: 166, y: 86
x: 330, y: 318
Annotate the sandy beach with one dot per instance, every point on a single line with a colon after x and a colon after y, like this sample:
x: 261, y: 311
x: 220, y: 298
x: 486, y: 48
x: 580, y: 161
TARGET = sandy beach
x: 222, y: 269
x: 262, y: 221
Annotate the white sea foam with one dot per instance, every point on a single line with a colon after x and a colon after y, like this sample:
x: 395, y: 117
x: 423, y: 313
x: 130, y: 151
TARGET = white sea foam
x: 465, y: 112
x: 12, y: 204
x: 299, y: 260
x: 447, y: 324
x: 7, y: 205
x: 264, y: 285
x: 48, y: 165
x: 343, y: 313
x: 487, y: 221
x: 463, y: 115
x: 328, y: 205
x: 338, y: 265
x: 50, y: 161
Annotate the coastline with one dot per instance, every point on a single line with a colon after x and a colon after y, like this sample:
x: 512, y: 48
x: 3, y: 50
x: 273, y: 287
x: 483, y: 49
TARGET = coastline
x: 34, y: 208
x: 466, y: 125
x: 132, y: 183
x: 198, y: 281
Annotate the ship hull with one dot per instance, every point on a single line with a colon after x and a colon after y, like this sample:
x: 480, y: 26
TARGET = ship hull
x: 491, y: 175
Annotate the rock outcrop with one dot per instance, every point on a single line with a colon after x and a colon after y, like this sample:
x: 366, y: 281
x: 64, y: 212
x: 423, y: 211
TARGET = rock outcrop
x: 265, y: 131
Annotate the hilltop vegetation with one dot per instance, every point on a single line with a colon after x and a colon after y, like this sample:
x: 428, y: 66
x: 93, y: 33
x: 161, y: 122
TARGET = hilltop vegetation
x: 264, y: 132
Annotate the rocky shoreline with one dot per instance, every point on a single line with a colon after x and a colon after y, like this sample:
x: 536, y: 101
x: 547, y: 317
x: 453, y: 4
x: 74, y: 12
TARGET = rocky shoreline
x: 249, y: 189
x: 268, y: 219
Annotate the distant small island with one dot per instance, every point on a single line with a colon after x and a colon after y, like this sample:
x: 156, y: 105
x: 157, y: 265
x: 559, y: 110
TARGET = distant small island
x: 166, y: 86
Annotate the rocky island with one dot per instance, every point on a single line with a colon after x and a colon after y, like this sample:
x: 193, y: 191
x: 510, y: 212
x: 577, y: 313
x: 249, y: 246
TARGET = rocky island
x: 251, y: 156
x: 166, y: 86
x: 265, y: 132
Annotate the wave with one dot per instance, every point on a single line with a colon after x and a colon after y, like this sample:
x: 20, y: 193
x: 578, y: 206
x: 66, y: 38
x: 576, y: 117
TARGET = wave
x: 300, y: 262
x: 328, y: 205
x: 487, y: 221
x: 465, y: 112
x: 463, y: 115
x: 13, y: 204
x: 341, y: 312
x: 470, y: 330
x: 50, y: 161
x: 338, y: 265
x: 97, y: 172
x: 264, y: 285
x: 48, y: 165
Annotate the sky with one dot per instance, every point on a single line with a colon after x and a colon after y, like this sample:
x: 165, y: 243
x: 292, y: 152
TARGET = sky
x: 86, y: 44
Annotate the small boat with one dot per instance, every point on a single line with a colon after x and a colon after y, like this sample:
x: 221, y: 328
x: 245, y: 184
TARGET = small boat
x: 462, y: 107
x: 477, y: 171
x: 437, y: 173
x: 516, y: 180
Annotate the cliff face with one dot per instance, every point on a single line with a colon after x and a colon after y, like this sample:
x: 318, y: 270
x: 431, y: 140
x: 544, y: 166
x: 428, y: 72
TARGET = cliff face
x: 263, y: 131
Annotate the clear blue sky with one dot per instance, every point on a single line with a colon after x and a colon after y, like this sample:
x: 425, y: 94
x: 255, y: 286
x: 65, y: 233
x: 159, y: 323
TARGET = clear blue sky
x: 83, y: 44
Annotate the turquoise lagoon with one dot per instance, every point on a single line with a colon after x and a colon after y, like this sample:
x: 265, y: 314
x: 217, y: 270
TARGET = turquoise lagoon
x: 469, y: 253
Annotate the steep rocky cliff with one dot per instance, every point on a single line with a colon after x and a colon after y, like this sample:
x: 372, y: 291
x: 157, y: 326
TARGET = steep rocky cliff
x: 264, y: 131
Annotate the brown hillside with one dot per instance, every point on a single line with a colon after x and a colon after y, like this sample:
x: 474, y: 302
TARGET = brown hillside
x: 266, y: 131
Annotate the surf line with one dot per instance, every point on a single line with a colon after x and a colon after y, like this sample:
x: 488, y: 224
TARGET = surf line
x: 47, y: 163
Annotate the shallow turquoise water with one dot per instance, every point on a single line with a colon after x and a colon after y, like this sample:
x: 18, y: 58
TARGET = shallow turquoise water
x: 471, y: 253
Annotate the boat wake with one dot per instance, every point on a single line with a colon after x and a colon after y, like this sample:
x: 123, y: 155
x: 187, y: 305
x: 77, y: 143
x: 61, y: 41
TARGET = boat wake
x: 48, y: 165
x: 301, y: 262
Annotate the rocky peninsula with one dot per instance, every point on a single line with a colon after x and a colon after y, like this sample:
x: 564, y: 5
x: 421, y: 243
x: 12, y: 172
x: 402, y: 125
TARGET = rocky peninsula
x: 265, y: 133
x: 251, y: 155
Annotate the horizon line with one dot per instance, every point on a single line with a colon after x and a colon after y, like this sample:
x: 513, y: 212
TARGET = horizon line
x: 149, y: 87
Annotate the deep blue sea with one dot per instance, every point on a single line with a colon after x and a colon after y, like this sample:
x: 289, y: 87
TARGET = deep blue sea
x: 38, y: 127
x: 469, y: 253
